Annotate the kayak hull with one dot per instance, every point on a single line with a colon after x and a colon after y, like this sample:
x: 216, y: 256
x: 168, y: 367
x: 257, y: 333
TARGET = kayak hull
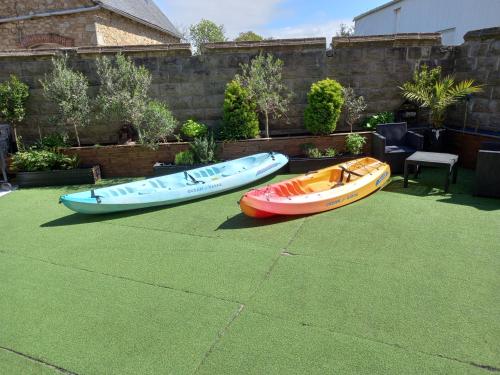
x: 318, y: 191
x: 180, y: 187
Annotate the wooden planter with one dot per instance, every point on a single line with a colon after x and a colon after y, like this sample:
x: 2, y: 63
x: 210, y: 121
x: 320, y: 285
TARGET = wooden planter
x: 79, y: 176
x: 305, y: 164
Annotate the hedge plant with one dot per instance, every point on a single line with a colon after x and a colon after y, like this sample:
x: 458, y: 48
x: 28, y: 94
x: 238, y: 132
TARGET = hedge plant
x: 325, y: 101
x: 184, y: 158
x: 240, y: 119
x: 192, y: 129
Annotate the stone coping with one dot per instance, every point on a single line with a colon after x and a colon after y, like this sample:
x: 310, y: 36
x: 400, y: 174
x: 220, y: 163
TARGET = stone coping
x: 483, y: 34
x: 97, y: 49
x: 393, y: 40
x: 277, y: 43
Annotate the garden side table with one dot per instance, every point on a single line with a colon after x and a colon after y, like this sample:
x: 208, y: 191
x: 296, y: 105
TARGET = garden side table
x: 433, y: 159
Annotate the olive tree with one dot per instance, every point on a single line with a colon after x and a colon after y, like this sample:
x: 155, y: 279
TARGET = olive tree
x: 353, y: 106
x: 263, y: 78
x: 68, y: 90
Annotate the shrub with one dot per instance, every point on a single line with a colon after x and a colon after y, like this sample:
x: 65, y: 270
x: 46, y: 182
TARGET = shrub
x: 330, y: 152
x: 354, y: 143
x: 184, y: 158
x: 193, y: 129
x: 380, y: 118
x: 123, y: 90
x: 263, y: 78
x: 240, y: 120
x: 325, y: 101
x: 51, y: 142
x: 68, y: 89
x: 157, y: 124
x: 13, y: 97
x: 204, y: 149
x: 354, y: 105
x: 43, y: 160
x: 314, y: 153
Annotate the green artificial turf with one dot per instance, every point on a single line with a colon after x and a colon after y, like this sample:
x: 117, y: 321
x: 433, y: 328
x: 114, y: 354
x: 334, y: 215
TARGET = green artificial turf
x: 404, y: 281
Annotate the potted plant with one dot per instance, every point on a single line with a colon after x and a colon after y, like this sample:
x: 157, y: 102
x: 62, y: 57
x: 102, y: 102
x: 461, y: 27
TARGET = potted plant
x: 45, y: 167
x: 13, y: 97
x: 435, y: 93
x: 201, y: 152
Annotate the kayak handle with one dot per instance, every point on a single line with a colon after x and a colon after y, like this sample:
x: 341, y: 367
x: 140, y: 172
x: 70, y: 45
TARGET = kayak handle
x: 96, y: 197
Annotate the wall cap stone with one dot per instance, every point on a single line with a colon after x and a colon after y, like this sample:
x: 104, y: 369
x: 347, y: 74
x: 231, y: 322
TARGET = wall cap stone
x: 276, y: 43
x: 177, y: 47
x: 483, y: 34
x: 390, y: 40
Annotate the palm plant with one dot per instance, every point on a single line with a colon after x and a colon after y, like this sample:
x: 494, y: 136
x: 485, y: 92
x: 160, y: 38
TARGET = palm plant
x: 431, y: 91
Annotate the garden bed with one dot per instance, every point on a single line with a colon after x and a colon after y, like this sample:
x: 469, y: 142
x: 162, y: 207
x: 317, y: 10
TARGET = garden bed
x: 138, y: 161
x: 306, y: 164
x: 163, y: 169
x: 59, y: 177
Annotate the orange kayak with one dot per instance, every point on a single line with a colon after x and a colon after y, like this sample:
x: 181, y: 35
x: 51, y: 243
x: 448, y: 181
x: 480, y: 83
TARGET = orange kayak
x: 318, y: 191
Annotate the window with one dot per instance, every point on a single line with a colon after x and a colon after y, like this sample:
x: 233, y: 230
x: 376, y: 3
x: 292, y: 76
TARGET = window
x: 397, y: 16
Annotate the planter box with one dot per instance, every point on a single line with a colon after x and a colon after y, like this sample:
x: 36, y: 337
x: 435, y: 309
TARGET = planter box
x: 79, y: 176
x: 161, y: 169
x: 304, y: 164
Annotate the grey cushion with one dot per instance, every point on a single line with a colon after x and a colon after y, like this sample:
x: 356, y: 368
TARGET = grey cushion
x: 398, y: 149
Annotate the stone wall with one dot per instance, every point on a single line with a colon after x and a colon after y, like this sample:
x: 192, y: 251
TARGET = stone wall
x: 479, y: 59
x: 115, y: 30
x: 193, y: 86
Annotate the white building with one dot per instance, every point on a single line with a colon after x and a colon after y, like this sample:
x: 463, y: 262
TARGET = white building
x: 452, y: 18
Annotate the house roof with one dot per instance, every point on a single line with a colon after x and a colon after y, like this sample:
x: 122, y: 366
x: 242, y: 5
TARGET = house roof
x: 377, y: 9
x: 143, y: 11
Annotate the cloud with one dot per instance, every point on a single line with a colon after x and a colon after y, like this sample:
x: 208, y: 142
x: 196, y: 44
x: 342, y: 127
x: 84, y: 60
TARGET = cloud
x: 236, y: 16
x: 326, y: 29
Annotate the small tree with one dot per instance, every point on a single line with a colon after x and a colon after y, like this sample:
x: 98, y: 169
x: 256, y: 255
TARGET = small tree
x: 248, y: 36
x: 354, y: 106
x: 68, y: 90
x: 324, y: 104
x: 437, y: 94
x: 205, y: 31
x: 240, y: 120
x: 123, y: 91
x: 345, y: 30
x: 157, y: 124
x: 263, y: 78
x: 13, y: 97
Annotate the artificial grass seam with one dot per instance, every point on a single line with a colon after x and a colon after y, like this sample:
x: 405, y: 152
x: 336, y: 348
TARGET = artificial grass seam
x: 161, y: 230
x: 220, y: 334
x: 394, y: 345
x: 276, y: 260
x: 119, y: 277
x: 39, y: 361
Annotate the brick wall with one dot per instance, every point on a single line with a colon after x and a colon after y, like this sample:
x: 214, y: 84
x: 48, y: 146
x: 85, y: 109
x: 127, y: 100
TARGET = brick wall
x: 137, y: 161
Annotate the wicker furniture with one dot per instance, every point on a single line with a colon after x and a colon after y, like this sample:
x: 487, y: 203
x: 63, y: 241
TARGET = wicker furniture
x: 433, y: 159
x: 393, y: 143
x: 488, y: 170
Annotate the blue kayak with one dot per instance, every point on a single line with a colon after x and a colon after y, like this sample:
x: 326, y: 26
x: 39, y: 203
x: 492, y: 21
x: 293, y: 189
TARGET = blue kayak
x: 178, y: 187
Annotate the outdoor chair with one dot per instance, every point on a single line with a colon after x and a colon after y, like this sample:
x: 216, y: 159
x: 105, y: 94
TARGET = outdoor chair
x: 393, y: 143
x: 488, y: 170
